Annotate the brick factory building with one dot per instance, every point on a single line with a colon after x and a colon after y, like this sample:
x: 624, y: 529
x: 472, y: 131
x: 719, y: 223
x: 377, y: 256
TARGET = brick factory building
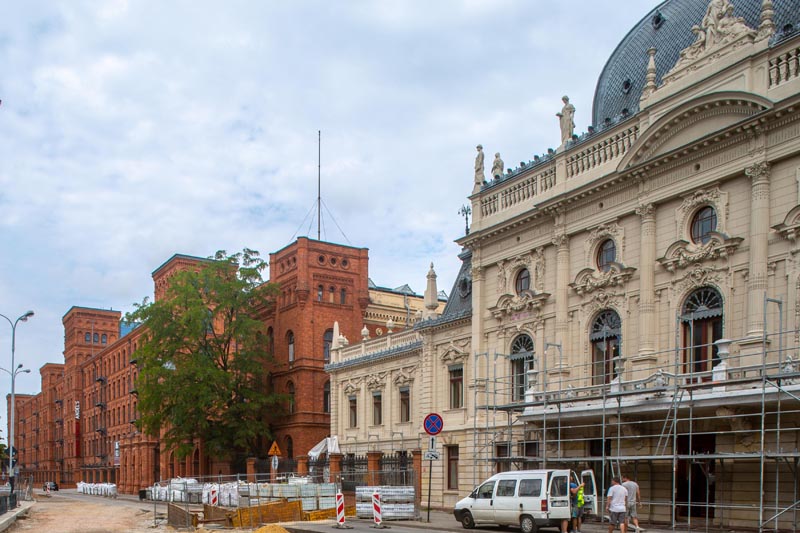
x: 80, y: 427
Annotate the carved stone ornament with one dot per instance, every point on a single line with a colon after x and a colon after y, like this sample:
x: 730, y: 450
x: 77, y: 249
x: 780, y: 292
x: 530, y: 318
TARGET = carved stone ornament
x: 509, y: 304
x: 718, y: 34
x: 790, y: 227
x: 351, y: 388
x: 699, y: 276
x: 713, y: 197
x: 455, y: 351
x: 603, y: 300
x: 508, y: 269
x: 589, y: 280
x: 376, y: 381
x: 599, y: 235
x: 682, y: 254
x: 405, y: 376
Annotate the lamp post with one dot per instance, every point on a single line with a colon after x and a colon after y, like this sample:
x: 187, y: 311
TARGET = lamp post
x: 13, y: 373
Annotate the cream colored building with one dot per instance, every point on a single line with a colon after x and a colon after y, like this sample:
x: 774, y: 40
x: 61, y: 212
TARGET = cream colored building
x: 634, y: 295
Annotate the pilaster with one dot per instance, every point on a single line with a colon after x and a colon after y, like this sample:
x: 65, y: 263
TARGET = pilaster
x: 759, y: 234
x: 647, y: 273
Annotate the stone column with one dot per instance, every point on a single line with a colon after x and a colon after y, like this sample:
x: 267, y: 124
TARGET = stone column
x: 478, y: 344
x: 374, y: 466
x: 759, y: 236
x: 561, y: 241
x: 647, y: 294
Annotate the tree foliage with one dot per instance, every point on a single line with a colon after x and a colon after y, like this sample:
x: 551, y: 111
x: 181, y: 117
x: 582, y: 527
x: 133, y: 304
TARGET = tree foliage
x: 202, y: 358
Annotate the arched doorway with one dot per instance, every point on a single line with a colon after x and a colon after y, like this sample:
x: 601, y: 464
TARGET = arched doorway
x: 521, y: 362
x: 701, y: 319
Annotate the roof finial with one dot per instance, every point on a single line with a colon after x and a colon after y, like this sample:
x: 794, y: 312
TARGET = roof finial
x: 650, y: 80
x: 767, y: 26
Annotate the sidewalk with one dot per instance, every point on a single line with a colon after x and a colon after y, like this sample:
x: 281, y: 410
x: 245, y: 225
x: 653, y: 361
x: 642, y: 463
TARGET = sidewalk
x: 8, y: 519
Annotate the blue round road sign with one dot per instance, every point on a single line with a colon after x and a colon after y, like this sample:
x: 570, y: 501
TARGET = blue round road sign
x: 433, y: 424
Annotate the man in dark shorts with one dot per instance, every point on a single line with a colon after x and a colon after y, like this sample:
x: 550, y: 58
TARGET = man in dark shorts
x: 576, y: 510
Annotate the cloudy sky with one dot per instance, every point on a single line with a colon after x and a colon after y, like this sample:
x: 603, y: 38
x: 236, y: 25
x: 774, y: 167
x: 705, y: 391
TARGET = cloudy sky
x: 133, y: 130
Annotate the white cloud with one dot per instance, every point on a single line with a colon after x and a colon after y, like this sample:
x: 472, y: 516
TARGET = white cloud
x: 135, y: 130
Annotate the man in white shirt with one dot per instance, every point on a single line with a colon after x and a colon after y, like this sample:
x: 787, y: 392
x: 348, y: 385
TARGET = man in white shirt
x: 616, y: 505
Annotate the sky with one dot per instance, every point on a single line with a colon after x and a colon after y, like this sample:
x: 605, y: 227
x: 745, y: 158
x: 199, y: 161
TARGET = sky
x: 134, y: 130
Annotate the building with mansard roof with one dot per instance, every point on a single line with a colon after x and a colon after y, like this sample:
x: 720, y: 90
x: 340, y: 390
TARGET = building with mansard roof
x: 633, y: 294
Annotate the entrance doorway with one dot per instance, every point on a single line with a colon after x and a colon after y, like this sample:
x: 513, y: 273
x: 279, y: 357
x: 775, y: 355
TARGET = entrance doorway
x: 695, y: 478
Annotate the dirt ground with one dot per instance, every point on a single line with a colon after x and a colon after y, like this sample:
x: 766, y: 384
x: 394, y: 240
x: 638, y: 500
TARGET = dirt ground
x: 57, y: 514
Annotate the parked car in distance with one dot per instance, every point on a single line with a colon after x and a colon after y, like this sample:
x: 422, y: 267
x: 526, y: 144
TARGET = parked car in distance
x: 51, y: 485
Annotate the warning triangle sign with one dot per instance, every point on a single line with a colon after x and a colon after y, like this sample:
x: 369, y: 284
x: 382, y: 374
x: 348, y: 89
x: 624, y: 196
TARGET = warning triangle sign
x: 274, y: 450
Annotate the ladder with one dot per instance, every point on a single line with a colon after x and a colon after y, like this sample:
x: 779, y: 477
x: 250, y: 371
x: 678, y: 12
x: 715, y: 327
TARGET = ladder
x: 669, y: 424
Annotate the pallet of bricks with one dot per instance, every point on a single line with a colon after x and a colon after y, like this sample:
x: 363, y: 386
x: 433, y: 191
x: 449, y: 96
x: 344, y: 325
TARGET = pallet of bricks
x: 397, y: 503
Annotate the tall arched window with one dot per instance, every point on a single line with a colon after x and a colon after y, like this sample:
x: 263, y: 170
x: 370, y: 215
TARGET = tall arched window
x: 290, y: 393
x: 606, y: 254
x: 96, y: 338
x: 320, y: 292
x: 104, y: 339
x: 605, y: 337
x: 290, y: 344
x: 326, y: 397
x: 332, y: 294
x: 343, y: 296
x: 521, y: 362
x: 289, y: 448
x: 87, y: 338
x: 701, y: 316
x: 327, y: 341
x: 270, y: 342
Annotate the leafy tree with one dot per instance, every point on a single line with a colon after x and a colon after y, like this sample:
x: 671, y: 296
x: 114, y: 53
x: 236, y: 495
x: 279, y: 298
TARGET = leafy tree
x: 203, y: 361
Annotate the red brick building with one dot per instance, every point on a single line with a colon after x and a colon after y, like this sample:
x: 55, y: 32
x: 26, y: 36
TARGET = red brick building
x: 80, y: 427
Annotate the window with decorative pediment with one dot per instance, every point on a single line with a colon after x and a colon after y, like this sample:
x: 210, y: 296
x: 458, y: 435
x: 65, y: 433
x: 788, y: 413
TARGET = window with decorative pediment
x: 521, y: 361
x: 606, y: 337
x: 701, y: 318
x: 704, y: 222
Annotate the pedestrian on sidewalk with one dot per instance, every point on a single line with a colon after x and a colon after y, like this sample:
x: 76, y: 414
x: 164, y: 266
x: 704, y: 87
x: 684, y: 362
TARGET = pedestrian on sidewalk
x: 634, y: 501
x: 616, y: 505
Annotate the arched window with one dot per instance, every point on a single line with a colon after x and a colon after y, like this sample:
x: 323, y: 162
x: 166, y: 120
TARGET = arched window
x: 320, y: 291
x: 326, y: 397
x: 332, y: 294
x: 270, y: 342
x: 289, y: 448
x: 523, y: 281
x: 521, y: 362
x: 606, y: 254
x: 701, y: 316
x: 605, y: 337
x: 104, y: 339
x: 290, y: 393
x: 87, y: 338
x: 327, y: 340
x: 290, y: 343
x: 343, y: 296
x: 703, y: 223
x: 96, y: 338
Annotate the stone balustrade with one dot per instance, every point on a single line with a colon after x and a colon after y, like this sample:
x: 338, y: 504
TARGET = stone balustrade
x: 513, y: 193
x: 377, y: 345
x: 606, y: 149
x: 785, y: 66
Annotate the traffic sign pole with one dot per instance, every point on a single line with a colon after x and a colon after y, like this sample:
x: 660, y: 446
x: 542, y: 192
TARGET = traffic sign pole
x: 433, y: 425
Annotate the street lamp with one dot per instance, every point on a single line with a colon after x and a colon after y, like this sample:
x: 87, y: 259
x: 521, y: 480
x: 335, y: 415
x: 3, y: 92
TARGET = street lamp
x: 13, y: 373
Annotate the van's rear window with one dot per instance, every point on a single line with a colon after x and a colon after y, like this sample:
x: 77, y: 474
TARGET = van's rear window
x: 530, y: 487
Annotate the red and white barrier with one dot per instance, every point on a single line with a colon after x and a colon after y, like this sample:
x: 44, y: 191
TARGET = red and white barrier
x: 376, y: 510
x: 213, y: 500
x: 340, y: 509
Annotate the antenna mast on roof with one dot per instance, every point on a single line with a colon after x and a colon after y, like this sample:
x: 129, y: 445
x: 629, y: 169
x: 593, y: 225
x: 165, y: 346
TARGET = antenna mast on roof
x: 319, y: 183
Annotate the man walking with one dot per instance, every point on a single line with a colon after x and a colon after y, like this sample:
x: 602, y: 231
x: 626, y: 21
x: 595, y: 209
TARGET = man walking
x: 616, y: 505
x: 634, y: 501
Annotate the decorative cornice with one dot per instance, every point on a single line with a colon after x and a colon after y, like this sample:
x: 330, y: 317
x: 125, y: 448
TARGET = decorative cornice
x: 589, y: 280
x: 682, y: 254
x: 509, y: 304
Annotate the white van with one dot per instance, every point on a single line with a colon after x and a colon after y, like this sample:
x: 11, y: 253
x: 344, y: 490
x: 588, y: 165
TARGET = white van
x: 530, y: 499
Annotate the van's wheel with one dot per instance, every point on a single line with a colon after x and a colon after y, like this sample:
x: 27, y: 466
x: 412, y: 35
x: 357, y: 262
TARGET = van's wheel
x: 467, y: 521
x: 527, y: 525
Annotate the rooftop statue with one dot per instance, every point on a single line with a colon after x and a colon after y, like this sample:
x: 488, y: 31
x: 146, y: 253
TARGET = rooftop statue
x: 566, y: 120
x: 480, y: 177
x: 497, y: 166
x: 718, y: 28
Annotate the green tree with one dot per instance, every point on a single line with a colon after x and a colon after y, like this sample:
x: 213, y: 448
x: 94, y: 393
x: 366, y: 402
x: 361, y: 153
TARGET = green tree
x: 203, y: 361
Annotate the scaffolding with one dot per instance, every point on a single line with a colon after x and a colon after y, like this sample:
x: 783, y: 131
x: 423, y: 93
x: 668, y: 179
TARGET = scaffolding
x: 711, y: 432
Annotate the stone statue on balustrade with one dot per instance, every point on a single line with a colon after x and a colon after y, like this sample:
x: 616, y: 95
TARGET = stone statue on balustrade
x: 480, y: 177
x: 718, y: 27
x: 566, y: 120
x: 497, y: 166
